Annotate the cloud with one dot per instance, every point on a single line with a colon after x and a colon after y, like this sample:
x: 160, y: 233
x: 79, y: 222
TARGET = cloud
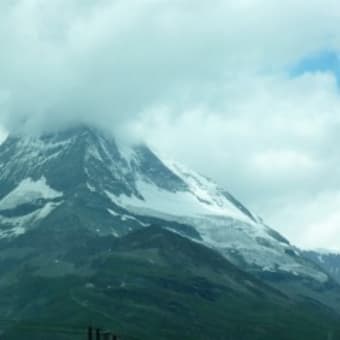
x: 286, y: 161
x: 315, y: 223
x: 213, y: 84
x: 66, y: 61
x: 3, y: 135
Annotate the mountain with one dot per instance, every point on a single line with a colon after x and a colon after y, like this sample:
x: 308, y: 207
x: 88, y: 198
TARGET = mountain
x: 80, y: 212
x: 328, y: 260
x: 61, y: 174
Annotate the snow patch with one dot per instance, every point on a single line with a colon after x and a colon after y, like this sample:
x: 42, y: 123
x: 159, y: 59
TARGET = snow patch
x: 14, y: 232
x: 208, y: 192
x: 90, y: 187
x: 125, y: 217
x: 180, y: 203
x: 92, y: 151
x: 132, y: 218
x: 112, y: 212
x: 28, y: 191
x: 16, y: 224
x: 46, y: 210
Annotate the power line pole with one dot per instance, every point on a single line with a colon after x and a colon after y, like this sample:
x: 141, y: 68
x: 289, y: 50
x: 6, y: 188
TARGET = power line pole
x: 97, y: 334
x: 89, y: 333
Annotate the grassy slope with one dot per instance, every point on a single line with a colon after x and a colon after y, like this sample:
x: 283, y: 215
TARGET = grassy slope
x: 154, y: 284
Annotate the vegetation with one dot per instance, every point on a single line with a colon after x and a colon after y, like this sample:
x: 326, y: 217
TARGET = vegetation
x: 155, y: 284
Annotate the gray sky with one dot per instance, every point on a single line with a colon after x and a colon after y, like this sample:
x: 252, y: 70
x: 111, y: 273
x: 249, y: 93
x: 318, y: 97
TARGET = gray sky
x: 245, y: 91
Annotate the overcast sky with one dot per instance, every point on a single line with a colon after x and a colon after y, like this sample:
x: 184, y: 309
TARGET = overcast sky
x: 244, y: 91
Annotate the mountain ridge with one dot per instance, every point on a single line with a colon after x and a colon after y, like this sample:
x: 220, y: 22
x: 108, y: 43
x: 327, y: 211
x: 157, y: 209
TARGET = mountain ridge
x: 59, y: 190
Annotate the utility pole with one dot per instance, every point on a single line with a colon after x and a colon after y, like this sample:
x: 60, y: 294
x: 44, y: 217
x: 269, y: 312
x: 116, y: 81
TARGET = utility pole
x: 100, y: 335
x: 89, y: 333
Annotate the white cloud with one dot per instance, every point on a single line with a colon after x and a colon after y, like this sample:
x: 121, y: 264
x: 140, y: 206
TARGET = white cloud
x: 315, y: 219
x: 3, y: 135
x: 287, y: 161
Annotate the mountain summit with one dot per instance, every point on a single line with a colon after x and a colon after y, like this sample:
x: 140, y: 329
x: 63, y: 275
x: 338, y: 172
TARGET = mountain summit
x: 78, y: 209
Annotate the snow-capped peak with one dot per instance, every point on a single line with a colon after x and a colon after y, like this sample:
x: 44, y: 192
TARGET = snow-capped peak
x: 135, y: 182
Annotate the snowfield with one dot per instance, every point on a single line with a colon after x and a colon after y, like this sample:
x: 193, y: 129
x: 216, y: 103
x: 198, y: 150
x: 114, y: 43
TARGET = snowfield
x: 28, y: 191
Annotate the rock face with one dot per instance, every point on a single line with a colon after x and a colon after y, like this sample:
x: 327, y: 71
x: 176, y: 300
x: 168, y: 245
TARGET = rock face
x: 73, y: 201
